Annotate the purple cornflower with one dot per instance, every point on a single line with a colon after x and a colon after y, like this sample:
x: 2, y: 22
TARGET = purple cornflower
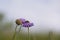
x: 27, y: 24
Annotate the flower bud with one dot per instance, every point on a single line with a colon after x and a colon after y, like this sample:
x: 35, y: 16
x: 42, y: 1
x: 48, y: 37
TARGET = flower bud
x: 18, y: 22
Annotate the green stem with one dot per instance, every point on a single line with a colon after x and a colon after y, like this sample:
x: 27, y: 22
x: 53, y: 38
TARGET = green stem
x: 14, y: 33
x: 19, y: 29
x: 28, y: 33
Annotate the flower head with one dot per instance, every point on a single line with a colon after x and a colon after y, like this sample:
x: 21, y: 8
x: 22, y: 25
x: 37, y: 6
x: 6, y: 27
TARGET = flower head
x: 27, y: 25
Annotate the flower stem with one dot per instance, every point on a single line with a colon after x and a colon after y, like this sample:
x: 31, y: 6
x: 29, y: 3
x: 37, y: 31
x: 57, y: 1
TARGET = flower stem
x: 19, y: 29
x: 28, y: 33
x: 14, y: 33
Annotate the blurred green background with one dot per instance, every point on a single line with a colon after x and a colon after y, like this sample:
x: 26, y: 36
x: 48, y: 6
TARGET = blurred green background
x: 7, y: 31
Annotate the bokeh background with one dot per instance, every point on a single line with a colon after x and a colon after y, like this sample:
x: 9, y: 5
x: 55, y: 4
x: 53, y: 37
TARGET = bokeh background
x: 45, y: 14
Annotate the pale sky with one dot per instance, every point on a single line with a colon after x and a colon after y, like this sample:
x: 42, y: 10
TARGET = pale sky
x: 45, y: 14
